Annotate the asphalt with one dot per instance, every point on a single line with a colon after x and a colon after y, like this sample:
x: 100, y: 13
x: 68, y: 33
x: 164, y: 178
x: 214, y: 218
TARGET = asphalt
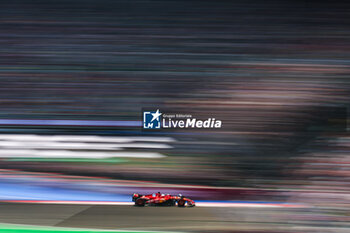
x: 117, y: 217
x: 199, y: 219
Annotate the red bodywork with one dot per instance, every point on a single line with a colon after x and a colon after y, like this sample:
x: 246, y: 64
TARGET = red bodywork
x: 162, y: 200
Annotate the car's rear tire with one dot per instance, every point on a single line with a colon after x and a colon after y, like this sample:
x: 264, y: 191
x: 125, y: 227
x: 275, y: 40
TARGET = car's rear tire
x: 140, y: 202
x: 181, y: 203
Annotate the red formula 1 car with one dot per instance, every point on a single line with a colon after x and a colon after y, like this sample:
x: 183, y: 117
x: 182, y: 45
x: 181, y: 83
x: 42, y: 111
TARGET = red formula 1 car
x: 159, y: 199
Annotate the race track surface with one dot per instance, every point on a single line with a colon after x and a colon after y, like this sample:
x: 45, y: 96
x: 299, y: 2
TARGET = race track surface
x: 163, y: 219
x: 121, y: 217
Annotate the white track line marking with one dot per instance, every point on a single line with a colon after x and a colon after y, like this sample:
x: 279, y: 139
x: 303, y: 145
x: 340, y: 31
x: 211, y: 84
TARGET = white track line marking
x: 75, y: 154
x: 201, y: 204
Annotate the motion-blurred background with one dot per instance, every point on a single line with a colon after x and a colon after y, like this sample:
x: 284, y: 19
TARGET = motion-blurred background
x: 74, y: 76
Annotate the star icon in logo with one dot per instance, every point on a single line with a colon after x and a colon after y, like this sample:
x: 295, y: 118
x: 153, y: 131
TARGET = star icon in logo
x: 156, y: 115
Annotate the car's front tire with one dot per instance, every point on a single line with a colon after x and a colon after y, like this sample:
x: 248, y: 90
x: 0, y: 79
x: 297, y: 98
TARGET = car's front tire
x: 181, y: 203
